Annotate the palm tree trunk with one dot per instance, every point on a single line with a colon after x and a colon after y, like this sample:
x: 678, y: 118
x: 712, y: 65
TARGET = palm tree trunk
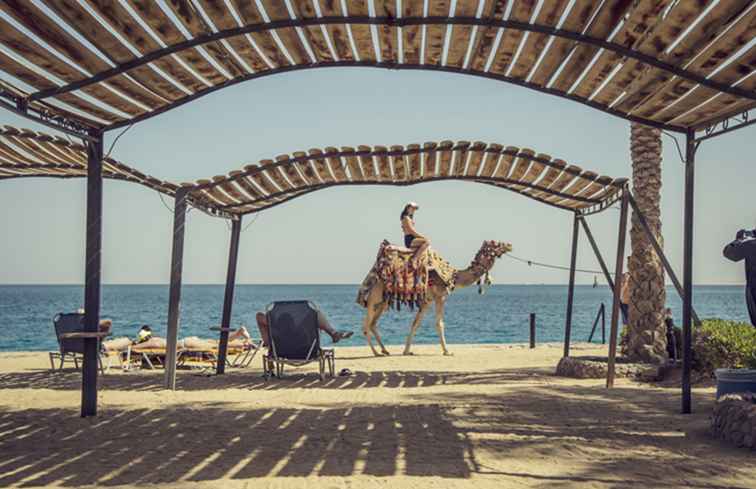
x: 646, y: 334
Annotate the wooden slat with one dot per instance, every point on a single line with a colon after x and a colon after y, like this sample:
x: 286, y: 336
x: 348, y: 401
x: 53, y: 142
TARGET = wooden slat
x: 555, y: 169
x: 90, y: 29
x: 275, y: 174
x: 230, y: 189
x: 304, y: 9
x: 460, y: 34
x: 363, y: 38
x: 606, y: 19
x: 413, y: 161
x: 567, y: 176
x: 222, y: 18
x: 412, y: 35
x: 476, y: 158
x: 250, y: 15
x: 338, y: 33
x: 119, y: 19
x: 460, y: 158
x: 720, y: 107
x: 399, y: 163
x: 522, y: 163
x: 384, y: 166
x: 549, y: 15
x: 35, y: 148
x: 50, y: 32
x: 246, y: 185
x: 290, y: 170
x: 493, y: 153
x: 659, y: 104
x: 334, y: 162
x: 641, y: 19
x: 320, y: 165
x: 306, y: 169
x: 585, y: 179
x: 430, y: 160
x: 444, y: 158
x: 19, y: 71
x: 276, y: 10
x: 593, y: 190
x: 260, y: 178
x: 577, y: 19
x: 505, y: 162
x: 366, y: 163
x: 536, y: 170
x: 387, y: 34
x: 214, y: 195
x: 436, y: 34
x: 164, y: 28
x: 486, y: 35
x: 510, y: 40
x: 647, y: 81
x: 353, y: 163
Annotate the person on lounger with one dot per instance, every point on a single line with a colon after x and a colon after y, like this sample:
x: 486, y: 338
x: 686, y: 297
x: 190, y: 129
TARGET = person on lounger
x: 238, y: 338
x: 145, y: 340
x: 323, y: 324
x: 412, y: 238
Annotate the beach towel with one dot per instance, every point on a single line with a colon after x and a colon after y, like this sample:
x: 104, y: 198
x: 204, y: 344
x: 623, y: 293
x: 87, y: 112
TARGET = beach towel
x: 403, y: 282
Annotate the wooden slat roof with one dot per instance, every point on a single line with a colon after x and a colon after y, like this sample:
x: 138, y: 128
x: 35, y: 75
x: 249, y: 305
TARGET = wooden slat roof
x: 25, y: 153
x: 534, y: 175
x: 104, y: 64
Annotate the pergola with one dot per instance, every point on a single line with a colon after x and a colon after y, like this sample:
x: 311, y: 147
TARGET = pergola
x: 90, y: 67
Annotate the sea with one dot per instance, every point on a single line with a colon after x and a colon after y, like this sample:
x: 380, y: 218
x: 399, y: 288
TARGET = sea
x: 500, y: 315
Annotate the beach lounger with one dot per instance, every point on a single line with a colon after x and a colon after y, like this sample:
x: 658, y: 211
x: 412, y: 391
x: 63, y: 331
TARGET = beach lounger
x: 69, y: 330
x: 295, y: 339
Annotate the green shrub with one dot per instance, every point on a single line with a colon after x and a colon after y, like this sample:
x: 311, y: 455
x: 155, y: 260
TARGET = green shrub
x: 723, y: 344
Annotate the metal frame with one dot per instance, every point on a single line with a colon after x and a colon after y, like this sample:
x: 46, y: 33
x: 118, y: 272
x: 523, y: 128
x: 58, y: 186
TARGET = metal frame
x: 174, y: 295
x: 571, y: 287
x: 228, y: 299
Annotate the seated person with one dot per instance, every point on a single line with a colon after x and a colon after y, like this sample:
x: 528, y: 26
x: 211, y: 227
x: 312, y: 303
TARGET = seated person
x: 238, y: 338
x: 323, y: 324
x: 144, y: 339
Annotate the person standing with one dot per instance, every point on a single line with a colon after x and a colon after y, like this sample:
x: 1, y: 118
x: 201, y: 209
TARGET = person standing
x: 744, y: 247
x: 625, y: 298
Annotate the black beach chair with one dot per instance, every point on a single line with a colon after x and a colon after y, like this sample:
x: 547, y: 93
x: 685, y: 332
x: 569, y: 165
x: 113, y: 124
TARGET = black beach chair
x: 295, y: 339
x: 72, y: 349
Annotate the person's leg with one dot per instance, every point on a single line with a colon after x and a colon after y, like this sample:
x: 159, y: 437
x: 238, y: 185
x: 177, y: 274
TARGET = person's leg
x: 116, y: 344
x: 625, y: 310
x: 240, y: 334
x: 325, y: 326
x: 751, y: 302
x: 420, y: 245
x: 262, y: 325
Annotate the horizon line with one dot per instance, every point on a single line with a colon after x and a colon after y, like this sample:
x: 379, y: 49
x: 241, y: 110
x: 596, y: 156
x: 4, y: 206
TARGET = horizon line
x: 71, y: 284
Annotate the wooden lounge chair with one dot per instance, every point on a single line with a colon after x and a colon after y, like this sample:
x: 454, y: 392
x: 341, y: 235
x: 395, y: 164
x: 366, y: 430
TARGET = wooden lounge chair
x: 295, y: 339
x: 69, y: 330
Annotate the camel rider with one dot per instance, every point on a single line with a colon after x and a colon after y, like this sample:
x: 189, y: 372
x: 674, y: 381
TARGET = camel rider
x: 412, y: 238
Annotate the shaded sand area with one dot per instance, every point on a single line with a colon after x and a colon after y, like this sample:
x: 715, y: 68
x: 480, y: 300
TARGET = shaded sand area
x: 491, y: 416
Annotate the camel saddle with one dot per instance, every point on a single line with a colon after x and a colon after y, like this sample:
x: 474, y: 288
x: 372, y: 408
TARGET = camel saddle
x: 403, y: 282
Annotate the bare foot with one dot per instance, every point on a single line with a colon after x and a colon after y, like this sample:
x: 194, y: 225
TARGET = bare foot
x: 407, y: 353
x: 448, y: 354
x: 341, y: 335
x: 386, y: 353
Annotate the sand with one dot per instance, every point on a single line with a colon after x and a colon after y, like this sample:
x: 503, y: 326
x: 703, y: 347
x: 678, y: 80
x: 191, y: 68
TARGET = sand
x: 490, y: 416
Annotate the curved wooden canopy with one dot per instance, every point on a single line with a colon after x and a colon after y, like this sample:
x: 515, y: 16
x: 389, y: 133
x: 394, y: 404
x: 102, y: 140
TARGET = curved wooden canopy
x: 25, y: 153
x: 537, y: 176
x: 104, y: 64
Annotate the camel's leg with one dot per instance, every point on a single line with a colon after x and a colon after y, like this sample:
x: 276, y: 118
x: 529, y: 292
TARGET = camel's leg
x: 371, y: 316
x: 374, y: 330
x: 440, y: 304
x: 414, y: 327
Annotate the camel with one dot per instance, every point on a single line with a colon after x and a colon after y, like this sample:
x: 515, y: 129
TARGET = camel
x: 437, y: 293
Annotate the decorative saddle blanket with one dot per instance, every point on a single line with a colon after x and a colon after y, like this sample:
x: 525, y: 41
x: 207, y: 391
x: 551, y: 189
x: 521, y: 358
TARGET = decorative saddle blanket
x: 404, y: 283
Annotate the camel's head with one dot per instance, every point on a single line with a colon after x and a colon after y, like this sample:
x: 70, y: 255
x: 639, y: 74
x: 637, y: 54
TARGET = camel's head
x: 488, y: 253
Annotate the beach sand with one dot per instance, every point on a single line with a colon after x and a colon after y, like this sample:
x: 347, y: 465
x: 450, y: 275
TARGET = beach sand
x: 490, y: 416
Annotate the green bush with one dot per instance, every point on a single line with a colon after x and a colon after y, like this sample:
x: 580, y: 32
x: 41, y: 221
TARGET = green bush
x: 723, y: 344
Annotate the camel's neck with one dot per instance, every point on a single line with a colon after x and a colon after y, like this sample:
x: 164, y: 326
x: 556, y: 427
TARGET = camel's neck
x: 467, y: 277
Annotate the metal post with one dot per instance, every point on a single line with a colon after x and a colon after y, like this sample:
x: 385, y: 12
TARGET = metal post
x: 92, y: 276
x: 660, y: 253
x: 571, y: 287
x: 532, y: 330
x: 174, y: 296
x: 228, y: 300
x: 618, y: 268
x: 596, y: 251
x: 690, y: 160
x: 603, y: 324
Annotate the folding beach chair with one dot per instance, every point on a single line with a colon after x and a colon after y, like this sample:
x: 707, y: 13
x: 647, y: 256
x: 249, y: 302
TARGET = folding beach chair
x: 72, y: 349
x: 295, y: 339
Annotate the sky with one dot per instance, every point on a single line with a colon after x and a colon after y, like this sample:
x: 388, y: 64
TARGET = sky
x: 331, y: 236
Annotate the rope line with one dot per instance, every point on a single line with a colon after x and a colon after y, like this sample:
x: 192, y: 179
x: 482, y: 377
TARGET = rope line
x: 116, y: 140
x: 555, y: 267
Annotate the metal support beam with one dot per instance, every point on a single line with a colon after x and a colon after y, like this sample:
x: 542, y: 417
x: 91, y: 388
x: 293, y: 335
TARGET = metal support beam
x: 597, y: 252
x: 92, y: 277
x: 660, y: 253
x: 228, y: 300
x: 571, y: 287
x: 174, y: 296
x: 618, y: 269
x: 690, y: 160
